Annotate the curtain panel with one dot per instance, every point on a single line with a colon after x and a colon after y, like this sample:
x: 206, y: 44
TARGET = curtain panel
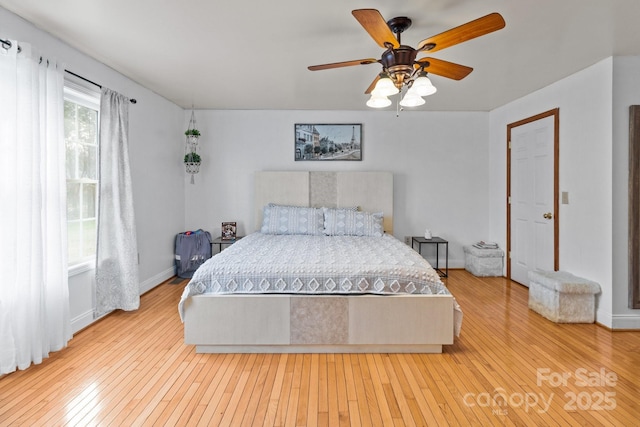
x: 34, y: 293
x: 117, y: 279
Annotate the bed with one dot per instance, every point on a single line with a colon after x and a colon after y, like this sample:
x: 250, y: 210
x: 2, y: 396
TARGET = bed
x: 281, y: 291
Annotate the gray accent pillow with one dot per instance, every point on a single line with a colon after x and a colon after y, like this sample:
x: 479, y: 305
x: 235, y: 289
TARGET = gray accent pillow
x: 347, y: 222
x: 277, y: 219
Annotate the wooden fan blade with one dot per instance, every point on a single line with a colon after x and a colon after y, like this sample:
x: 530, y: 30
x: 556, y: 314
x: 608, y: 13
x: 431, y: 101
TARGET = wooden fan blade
x: 376, y: 26
x: 479, y: 27
x: 342, y: 64
x: 442, y: 68
x: 372, y: 85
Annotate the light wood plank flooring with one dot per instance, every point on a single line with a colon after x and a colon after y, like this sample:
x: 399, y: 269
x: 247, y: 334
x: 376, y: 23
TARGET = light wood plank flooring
x: 510, y: 366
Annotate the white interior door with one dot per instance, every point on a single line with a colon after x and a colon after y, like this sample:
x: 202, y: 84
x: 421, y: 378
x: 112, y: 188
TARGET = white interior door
x: 533, y: 196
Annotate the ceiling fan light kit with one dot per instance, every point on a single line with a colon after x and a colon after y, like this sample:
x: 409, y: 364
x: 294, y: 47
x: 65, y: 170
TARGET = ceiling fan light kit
x: 400, y: 68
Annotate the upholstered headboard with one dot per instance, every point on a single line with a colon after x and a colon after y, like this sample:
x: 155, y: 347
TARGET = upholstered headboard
x: 370, y: 191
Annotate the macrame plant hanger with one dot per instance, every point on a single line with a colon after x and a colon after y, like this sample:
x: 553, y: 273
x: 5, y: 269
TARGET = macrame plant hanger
x: 191, y: 157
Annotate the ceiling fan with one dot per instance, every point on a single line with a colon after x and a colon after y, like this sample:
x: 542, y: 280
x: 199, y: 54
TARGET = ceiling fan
x: 399, y: 64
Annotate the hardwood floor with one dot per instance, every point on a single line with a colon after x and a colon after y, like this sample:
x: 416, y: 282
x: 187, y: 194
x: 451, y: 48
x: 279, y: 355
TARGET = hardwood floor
x: 510, y: 366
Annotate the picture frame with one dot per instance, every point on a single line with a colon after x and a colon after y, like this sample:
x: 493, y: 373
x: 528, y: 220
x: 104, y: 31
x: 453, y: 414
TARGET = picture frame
x: 228, y: 231
x: 328, y: 142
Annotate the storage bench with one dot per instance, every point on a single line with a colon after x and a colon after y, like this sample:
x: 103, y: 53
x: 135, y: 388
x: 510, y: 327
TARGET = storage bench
x: 483, y: 262
x: 562, y: 297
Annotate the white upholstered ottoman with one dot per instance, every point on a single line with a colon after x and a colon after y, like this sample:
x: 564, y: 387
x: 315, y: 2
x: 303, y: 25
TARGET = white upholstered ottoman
x: 483, y: 262
x: 562, y: 297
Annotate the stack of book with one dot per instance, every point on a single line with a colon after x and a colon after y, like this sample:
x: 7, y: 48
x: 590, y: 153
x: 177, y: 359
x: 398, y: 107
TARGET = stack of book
x: 486, y: 245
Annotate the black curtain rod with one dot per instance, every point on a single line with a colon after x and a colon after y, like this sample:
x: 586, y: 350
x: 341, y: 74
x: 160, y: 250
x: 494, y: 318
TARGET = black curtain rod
x: 9, y: 44
x: 133, y: 101
x: 83, y: 78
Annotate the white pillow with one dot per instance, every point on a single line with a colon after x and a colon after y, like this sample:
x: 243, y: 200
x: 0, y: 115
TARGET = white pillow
x: 277, y: 219
x: 347, y: 222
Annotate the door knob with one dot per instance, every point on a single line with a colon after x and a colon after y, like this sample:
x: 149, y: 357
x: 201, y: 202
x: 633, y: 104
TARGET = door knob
x: 548, y: 215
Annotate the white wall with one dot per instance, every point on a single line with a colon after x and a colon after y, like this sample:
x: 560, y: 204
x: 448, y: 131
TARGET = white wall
x: 626, y: 92
x: 155, y: 138
x: 585, y: 101
x: 439, y: 160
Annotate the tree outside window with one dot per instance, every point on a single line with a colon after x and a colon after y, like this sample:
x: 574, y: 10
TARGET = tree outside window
x: 81, y: 115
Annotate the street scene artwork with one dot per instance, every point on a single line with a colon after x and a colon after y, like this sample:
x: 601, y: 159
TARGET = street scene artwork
x: 328, y: 142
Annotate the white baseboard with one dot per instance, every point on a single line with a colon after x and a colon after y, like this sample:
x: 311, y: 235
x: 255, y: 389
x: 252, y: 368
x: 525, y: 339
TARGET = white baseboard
x: 453, y: 263
x: 85, y: 319
x: 154, y: 281
x: 625, y: 321
x: 618, y: 321
x: 82, y: 321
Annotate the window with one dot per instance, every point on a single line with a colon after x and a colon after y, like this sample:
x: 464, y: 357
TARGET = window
x: 81, y: 118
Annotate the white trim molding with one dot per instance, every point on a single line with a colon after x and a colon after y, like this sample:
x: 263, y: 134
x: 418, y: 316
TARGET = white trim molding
x: 87, y: 318
x: 625, y: 321
x: 82, y: 321
x: 154, y: 281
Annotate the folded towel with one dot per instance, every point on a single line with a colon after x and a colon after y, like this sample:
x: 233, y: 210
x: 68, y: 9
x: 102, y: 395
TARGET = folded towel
x: 486, y: 245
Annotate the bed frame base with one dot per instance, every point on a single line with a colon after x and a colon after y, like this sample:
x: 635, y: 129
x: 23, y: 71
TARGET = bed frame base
x: 319, y: 323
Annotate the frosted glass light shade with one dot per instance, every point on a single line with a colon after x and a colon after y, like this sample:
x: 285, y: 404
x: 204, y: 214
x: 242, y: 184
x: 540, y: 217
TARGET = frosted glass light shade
x: 412, y: 99
x: 378, y: 101
x: 423, y: 86
x: 385, y: 87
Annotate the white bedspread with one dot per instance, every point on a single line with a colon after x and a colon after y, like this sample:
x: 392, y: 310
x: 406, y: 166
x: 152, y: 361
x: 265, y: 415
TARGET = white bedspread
x: 302, y: 264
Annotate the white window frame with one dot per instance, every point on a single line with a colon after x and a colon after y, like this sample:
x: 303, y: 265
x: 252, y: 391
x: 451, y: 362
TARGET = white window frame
x: 81, y: 93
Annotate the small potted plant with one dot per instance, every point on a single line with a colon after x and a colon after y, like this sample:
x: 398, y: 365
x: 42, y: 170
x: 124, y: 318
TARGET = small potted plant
x: 192, y: 162
x: 192, y: 136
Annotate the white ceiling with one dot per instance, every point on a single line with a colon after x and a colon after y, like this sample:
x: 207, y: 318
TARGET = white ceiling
x: 254, y: 54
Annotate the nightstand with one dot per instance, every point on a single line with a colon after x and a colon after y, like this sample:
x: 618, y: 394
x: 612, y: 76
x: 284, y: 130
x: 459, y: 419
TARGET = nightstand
x: 434, y: 241
x: 220, y: 241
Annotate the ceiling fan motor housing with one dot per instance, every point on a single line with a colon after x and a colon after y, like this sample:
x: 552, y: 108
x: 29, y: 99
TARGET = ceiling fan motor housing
x: 399, y: 63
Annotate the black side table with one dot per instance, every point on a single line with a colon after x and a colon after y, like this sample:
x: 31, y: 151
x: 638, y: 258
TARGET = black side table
x: 434, y: 241
x: 219, y: 241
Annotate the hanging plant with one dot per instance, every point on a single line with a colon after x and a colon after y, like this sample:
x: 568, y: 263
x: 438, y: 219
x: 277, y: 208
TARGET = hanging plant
x: 192, y: 136
x: 192, y: 163
x: 192, y: 158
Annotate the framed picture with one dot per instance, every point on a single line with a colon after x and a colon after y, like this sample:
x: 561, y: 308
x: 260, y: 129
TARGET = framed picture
x: 228, y: 231
x: 328, y: 142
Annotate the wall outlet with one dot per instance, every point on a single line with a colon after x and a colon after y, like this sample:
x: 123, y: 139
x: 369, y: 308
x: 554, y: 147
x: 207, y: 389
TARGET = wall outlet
x: 407, y: 240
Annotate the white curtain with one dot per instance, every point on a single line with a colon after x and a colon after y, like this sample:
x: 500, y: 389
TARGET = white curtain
x: 117, y: 252
x: 34, y: 293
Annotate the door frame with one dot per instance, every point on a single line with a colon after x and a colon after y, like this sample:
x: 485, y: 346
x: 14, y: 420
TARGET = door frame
x: 555, y: 113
